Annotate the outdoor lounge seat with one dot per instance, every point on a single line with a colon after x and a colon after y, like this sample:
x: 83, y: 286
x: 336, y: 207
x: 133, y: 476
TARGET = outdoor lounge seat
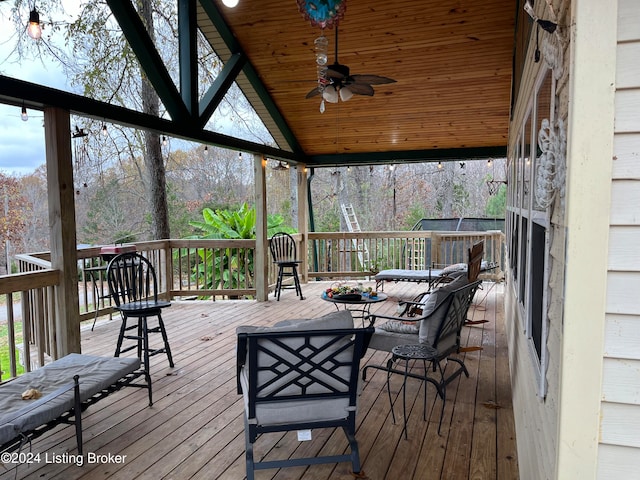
x: 68, y: 386
x: 301, y: 375
x: 438, y: 325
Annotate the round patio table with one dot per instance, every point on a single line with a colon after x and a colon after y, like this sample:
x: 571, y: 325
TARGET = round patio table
x: 360, y: 306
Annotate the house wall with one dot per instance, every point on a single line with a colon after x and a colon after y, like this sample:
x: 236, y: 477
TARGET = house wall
x: 581, y: 422
x: 535, y: 413
x: 619, y: 449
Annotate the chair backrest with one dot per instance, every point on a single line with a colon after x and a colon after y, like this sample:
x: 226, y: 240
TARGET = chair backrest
x: 131, y: 278
x: 283, y: 247
x: 475, y: 261
x: 300, y: 376
x: 457, y: 303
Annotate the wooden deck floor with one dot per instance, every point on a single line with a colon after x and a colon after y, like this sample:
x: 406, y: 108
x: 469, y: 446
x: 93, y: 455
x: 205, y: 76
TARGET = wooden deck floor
x: 195, y: 430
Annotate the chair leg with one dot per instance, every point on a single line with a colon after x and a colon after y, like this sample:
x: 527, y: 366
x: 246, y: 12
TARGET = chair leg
x: 165, y: 339
x: 145, y: 340
x: 142, y: 335
x: 355, y: 452
x: 444, y: 396
x: 123, y: 328
x: 279, y: 283
x: 389, y: 369
x: 248, y: 447
x: 296, y: 281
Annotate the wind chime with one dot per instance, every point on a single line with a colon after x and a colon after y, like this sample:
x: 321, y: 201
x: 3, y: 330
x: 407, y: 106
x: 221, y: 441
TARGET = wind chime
x: 80, y: 152
x: 323, y: 14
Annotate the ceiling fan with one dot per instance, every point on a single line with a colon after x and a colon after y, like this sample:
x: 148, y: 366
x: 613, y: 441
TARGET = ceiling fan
x: 339, y: 83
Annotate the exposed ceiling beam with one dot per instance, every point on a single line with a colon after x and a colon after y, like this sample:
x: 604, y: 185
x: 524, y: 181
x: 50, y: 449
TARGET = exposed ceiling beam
x: 149, y: 58
x: 234, y: 47
x: 18, y: 92
x: 188, y: 54
x: 412, y: 156
x: 218, y: 89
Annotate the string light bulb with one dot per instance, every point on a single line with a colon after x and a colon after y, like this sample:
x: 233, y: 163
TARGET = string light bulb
x: 23, y: 114
x: 489, y: 163
x: 439, y: 165
x: 164, y: 140
x: 104, y: 129
x: 206, y: 150
x: 34, y: 30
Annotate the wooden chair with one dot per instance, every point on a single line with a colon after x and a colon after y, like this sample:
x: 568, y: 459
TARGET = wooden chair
x: 134, y: 289
x: 302, y: 375
x: 283, y: 251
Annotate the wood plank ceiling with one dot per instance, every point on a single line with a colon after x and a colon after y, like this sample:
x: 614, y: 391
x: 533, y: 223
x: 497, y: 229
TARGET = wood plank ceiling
x: 452, y: 61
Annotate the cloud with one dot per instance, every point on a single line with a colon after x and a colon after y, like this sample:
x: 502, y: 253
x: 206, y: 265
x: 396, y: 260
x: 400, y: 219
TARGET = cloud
x: 21, y: 143
x: 22, y: 148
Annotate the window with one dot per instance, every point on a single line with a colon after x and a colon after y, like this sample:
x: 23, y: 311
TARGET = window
x: 529, y: 226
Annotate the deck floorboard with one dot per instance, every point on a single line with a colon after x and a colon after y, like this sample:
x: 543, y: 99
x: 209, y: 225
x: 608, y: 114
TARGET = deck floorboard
x: 195, y: 429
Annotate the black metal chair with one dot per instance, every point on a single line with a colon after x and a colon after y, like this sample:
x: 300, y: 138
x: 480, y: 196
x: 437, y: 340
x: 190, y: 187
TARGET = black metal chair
x: 283, y: 251
x: 134, y: 289
x: 297, y: 378
x: 438, y: 328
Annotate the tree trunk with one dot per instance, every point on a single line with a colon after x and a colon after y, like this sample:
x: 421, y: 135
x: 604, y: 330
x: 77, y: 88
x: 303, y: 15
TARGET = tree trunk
x: 157, y: 184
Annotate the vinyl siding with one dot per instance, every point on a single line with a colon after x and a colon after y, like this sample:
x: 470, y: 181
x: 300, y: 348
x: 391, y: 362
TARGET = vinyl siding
x: 619, y: 451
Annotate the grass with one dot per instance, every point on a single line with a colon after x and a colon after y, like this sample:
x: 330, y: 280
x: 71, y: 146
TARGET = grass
x: 4, y: 350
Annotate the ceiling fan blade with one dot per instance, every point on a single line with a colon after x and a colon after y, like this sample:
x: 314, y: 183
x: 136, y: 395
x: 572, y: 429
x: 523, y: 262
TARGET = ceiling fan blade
x: 313, y: 93
x: 361, y: 89
x: 372, y: 79
x: 337, y: 71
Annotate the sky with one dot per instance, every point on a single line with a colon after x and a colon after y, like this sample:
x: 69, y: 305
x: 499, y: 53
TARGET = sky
x: 22, y: 147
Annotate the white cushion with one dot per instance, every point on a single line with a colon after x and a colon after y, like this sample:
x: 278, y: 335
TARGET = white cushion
x: 398, y: 326
x: 429, y: 326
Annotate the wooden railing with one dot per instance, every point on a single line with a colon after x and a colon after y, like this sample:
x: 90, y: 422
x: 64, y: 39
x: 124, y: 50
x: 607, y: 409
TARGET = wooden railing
x: 29, y: 323
x: 362, y: 254
x: 211, y: 269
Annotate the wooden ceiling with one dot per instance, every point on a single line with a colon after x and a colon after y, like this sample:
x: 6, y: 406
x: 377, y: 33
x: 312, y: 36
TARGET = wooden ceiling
x: 452, y: 61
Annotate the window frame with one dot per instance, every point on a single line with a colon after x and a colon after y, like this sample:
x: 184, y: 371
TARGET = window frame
x: 531, y: 282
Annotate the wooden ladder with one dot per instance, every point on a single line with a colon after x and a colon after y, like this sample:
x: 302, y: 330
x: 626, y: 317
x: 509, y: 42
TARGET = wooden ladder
x: 353, y: 226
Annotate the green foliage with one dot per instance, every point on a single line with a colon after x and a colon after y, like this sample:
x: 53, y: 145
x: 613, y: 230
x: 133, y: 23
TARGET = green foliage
x: 460, y: 199
x: 4, y: 350
x: 417, y: 212
x: 497, y: 204
x: 229, y: 269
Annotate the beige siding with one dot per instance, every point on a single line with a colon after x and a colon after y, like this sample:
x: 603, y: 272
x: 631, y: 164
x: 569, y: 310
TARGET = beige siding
x: 619, y: 452
x: 617, y: 463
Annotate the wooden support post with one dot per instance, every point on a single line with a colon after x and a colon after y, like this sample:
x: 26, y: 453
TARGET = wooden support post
x: 303, y: 221
x: 260, y: 258
x: 62, y: 228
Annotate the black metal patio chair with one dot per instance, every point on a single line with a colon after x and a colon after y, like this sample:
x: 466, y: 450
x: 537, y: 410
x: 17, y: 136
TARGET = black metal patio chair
x: 301, y: 376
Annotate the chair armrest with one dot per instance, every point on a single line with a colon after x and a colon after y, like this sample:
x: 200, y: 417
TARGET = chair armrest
x: 241, y: 358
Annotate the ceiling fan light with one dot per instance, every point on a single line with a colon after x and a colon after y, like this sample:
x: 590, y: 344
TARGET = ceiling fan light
x: 345, y: 94
x: 330, y: 94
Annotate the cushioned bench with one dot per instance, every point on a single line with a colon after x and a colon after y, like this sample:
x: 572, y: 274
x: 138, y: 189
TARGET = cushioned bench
x: 433, y: 277
x: 68, y: 385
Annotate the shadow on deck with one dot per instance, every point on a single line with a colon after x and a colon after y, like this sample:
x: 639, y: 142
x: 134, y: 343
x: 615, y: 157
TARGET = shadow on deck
x: 195, y: 427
